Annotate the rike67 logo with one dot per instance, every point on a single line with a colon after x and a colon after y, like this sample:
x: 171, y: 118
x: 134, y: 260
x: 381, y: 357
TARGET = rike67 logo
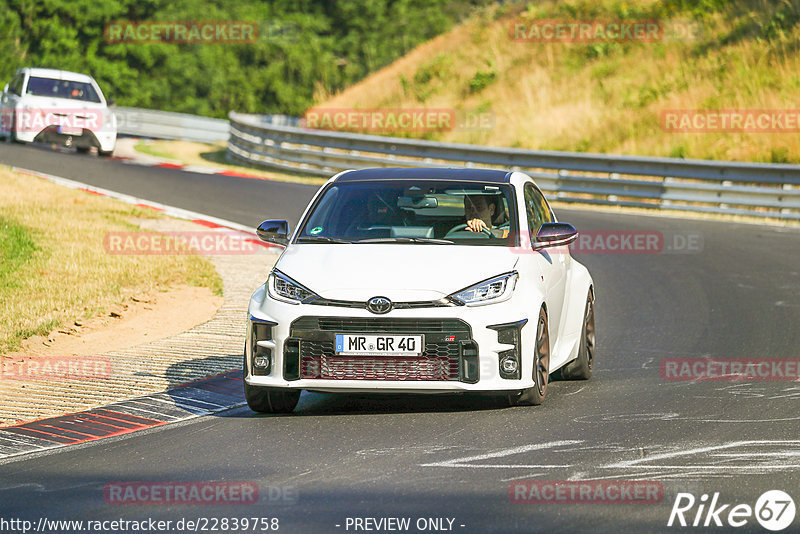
x: 774, y: 510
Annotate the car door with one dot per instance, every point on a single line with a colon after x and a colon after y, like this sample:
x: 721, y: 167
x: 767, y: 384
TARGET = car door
x: 552, y: 262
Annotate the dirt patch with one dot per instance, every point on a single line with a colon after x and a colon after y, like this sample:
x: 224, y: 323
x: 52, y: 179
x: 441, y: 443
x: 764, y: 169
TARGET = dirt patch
x: 143, y: 318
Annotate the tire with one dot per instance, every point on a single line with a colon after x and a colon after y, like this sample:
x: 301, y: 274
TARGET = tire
x: 581, y: 367
x: 83, y: 149
x: 535, y: 395
x: 104, y: 153
x: 269, y: 400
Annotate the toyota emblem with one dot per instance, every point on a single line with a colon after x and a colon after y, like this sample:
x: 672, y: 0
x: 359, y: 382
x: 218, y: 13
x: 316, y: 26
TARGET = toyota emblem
x: 379, y: 305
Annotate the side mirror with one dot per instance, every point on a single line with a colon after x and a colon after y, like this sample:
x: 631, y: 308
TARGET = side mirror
x: 555, y: 235
x: 274, y: 231
x: 5, y: 89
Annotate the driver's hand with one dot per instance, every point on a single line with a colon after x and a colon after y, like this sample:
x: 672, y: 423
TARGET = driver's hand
x: 476, y: 225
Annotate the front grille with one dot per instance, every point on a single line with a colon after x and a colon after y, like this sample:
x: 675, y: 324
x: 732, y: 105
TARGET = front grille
x: 439, y: 361
x: 446, y: 356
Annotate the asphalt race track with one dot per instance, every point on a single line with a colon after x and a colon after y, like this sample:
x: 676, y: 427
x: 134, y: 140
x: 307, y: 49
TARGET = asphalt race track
x: 337, y: 458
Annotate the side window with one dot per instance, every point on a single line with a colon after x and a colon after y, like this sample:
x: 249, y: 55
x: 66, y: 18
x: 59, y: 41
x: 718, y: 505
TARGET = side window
x: 536, y: 209
x: 546, y: 212
x: 15, y: 86
x: 321, y: 214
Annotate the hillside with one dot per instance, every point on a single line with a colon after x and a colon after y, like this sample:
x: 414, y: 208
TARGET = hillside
x: 606, y: 96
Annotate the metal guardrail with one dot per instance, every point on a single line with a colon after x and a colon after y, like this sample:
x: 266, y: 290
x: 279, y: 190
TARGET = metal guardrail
x: 169, y: 125
x: 761, y: 190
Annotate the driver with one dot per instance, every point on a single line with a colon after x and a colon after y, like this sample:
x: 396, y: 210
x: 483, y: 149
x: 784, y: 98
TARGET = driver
x: 483, y: 212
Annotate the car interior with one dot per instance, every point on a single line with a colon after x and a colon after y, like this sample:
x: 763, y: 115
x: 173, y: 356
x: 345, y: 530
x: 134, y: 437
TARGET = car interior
x: 395, y: 214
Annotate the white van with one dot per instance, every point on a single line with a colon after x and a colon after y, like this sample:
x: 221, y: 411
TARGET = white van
x: 56, y: 106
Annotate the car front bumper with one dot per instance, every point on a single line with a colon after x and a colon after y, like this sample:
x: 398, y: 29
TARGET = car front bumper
x: 463, y: 348
x: 103, y: 140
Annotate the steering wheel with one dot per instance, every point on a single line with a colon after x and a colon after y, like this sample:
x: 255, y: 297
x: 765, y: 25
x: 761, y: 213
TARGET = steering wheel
x: 461, y: 231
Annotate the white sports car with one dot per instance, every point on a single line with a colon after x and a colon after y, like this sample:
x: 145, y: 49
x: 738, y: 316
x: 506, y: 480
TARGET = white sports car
x: 420, y: 281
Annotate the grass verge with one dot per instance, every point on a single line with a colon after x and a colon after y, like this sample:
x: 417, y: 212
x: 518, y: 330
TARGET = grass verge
x: 212, y: 155
x: 54, y: 268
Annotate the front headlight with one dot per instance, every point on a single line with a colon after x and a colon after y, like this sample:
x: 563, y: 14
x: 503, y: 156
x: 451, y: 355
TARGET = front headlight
x: 489, y: 291
x: 283, y: 288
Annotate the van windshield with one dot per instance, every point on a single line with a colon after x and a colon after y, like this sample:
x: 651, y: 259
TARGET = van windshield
x: 62, y: 89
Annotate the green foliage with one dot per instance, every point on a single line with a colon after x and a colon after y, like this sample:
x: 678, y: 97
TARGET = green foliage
x: 678, y: 151
x: 779, y: 155
x: 16, y: 248
x: 302, y: 46
x: 482, y: 79
x: 429, y: 77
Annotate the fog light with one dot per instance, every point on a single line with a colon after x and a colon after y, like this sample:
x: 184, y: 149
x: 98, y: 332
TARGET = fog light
x: 509, y: 365
x: 261, y: 346
x: 509, y: 361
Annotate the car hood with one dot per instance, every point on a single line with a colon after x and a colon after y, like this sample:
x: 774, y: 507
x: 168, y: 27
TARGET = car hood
x: 400, y: 272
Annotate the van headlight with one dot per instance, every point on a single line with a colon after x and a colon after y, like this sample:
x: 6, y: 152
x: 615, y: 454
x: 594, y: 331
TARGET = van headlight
x: 489, y: 291
x: 283, y: 288
x: 109, y: 120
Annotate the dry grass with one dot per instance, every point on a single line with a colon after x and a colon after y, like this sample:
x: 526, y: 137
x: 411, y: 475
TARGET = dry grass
x: 601, y: 97
x: 54, y: 269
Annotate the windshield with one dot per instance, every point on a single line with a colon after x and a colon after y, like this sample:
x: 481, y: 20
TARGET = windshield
x: 416, y: 212
x: 62, y: 89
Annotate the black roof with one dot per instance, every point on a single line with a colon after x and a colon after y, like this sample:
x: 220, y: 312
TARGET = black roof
x: 400, y: 173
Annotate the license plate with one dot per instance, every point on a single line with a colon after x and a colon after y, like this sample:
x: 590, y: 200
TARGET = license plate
x: 69, y: 130
x: 379, y: 345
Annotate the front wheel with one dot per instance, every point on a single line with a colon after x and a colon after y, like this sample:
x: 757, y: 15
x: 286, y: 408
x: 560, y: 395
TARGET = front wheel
x: 541, y: 368
x: 269, y: 400
x: 581, y: 367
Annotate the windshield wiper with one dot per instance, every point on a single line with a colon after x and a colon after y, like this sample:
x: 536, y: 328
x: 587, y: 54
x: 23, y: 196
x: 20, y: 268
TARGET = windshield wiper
x: 320, y: 239
x: 428, y: 240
